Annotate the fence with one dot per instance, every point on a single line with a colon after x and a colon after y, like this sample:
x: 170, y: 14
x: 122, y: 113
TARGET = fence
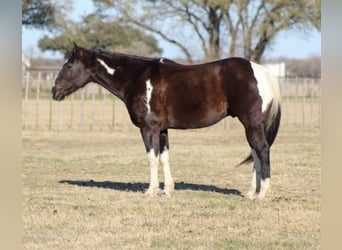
x: 94, y: 108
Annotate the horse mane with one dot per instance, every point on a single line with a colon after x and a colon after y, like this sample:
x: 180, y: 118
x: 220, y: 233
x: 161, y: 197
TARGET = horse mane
x: 119, y: 56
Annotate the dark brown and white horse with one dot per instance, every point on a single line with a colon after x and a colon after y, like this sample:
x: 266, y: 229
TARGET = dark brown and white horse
x: 160, y: 94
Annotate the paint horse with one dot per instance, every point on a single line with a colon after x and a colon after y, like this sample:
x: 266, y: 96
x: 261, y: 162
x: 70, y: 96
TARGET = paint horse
x: 160, y: 94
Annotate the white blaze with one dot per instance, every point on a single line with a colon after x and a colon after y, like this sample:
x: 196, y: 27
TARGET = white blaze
x: 161, y: 60
x: 264, y: 84
x: 109, y: 69
x: 149, y: 89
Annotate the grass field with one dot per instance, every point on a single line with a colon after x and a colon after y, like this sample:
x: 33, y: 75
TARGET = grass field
x: 85, y: 191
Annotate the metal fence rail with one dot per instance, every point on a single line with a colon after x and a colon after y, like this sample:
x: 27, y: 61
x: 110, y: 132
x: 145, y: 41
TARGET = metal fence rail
x: 94, y: 108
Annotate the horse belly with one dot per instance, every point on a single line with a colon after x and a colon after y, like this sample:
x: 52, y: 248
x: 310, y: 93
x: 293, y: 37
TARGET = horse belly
x: 196, y: 114
x: 196, y: 101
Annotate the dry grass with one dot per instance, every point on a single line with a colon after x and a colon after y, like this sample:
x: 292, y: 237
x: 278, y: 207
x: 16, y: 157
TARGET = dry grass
x: 84, y: 191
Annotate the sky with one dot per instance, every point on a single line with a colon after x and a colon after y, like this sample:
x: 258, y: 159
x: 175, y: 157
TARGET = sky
x: 293, y: 44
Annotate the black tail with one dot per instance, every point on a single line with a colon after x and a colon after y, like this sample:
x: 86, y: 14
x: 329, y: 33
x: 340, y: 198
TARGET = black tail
x: 271, y: 129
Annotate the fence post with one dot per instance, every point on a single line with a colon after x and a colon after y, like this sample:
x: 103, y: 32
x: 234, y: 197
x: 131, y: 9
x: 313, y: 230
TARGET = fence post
x: 311, y: 104
x: 91, y: 126
x: 37, y: 98
x: 287, y: 101
x: 71, y: 110
x: 82, y: 110
x: 296, y: 99
x: 303, y: 101
x: 113, y: 113
x: 50, y: 110
x: 61, y: 112
x: 26, y: 97
x: 27, y: 81
x: 319, y: 104
x: 103, y: 108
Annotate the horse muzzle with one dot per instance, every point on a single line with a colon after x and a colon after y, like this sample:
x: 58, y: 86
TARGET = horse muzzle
x: 57, y: 94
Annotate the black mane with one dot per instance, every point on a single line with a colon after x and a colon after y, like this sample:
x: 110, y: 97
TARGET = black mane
x: 118, y: 56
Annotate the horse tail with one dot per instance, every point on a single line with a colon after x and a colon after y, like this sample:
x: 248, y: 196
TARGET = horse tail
x: 273, y: 115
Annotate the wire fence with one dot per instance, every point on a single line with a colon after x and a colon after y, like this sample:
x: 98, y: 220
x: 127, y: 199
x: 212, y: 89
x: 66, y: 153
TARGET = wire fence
x: 94, y: 108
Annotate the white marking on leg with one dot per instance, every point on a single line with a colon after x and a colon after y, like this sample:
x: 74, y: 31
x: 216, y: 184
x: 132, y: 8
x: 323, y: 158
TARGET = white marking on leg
x: 265, y: 185
x: 265, y: 89
x: 149, y: 89
x: 161, y: 60
x: 109, y: 70
x: 255, y: 184
x: 153, y: 160
x: 168, y: 181
x: 252, y: 191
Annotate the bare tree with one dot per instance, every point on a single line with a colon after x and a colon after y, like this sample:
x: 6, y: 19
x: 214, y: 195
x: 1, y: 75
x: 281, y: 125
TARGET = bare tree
x: 262, y: 20
x: 215, y: 28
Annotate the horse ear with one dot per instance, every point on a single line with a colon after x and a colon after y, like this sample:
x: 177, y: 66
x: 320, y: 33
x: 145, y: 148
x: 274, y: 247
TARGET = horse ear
x: 79, y: 51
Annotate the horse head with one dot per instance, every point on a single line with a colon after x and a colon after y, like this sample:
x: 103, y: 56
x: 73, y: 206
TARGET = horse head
x: 74, y: 74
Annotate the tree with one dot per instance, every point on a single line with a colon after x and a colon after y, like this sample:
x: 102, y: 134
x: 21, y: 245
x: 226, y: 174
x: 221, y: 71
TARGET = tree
x: 41, y: 14
x: 216, y: 28
x: 94, y: 33
x: 176, y: 22
x: 262, y: 20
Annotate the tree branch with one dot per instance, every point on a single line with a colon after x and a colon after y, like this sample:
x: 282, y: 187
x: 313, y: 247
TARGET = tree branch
x: 187, y: 12
x: 165, y: 37
x: 202, y: 39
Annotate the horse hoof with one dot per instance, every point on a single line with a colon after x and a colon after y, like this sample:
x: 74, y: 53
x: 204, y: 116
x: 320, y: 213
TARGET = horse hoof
x: 166, y: 193
x: 250, y: 195
x: 151, y: 192
x: 260, y: 196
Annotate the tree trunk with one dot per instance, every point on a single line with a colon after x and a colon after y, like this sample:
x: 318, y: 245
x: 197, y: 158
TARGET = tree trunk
x: 259, y: 50
x: 214, y: 33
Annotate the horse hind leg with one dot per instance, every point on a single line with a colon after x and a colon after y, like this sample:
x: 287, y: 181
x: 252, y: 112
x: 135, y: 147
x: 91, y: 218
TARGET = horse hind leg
x: 261, y: 157
x: 255, y: 184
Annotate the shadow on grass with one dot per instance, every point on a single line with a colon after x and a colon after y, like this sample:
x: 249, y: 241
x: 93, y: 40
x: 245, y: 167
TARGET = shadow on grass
x: 141, y: 187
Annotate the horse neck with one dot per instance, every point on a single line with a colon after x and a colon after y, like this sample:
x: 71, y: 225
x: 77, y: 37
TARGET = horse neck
x: 124, y: 67
x: 110, y: 81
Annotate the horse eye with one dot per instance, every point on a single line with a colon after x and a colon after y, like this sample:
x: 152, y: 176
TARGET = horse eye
x: 69, y: 65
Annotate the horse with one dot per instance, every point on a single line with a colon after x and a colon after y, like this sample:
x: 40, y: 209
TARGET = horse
x: 161, y: 94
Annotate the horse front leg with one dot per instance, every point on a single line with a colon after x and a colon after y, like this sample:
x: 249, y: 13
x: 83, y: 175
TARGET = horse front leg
x: 151, y: 141
x: 164, y: 161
